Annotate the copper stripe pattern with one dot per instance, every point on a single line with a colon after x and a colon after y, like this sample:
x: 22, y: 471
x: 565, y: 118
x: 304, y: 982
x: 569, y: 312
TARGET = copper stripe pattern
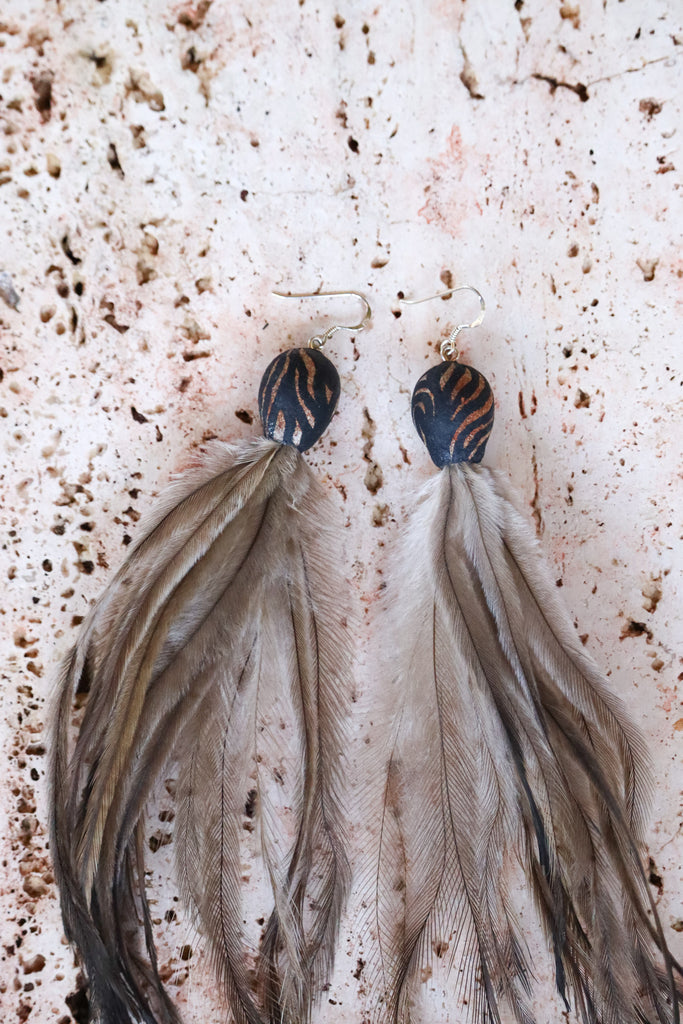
x: 453, y: 410
x: 298, y: 394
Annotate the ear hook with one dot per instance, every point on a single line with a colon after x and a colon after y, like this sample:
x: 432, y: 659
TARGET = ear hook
x: 449, y: 350
x: 318, y: 340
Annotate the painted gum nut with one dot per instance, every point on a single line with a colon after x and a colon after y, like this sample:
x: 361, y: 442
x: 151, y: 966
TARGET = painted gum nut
x: 453, y: 412
x: 298, y: 395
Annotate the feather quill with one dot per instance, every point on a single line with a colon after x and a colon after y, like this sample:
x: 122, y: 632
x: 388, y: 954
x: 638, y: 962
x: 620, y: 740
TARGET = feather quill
x: 509, y: 751
x: 228, y: 615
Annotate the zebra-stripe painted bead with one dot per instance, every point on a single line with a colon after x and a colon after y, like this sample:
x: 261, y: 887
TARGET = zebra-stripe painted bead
x: 453, y: 412
x: 298, y: 394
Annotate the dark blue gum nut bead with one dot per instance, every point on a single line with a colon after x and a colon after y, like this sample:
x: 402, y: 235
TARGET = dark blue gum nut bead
x: 453, y: 413
x: 298, y: 395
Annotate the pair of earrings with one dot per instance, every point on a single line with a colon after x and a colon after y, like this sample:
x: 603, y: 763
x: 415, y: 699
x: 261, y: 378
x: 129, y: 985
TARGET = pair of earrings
x: 222, y: 647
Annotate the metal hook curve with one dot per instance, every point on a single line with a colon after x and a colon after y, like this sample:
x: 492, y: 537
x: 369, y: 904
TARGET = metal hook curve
x: 449, y: 350
x: 318, y: 340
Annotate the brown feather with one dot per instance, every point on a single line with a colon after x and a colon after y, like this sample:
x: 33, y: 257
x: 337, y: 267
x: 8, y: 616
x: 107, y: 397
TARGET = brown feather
x: 185, y: 657
x: 510, y: 750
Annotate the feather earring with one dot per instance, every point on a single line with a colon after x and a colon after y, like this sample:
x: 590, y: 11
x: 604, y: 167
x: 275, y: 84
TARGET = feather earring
x: 511, y: 763
x: 221, y: 647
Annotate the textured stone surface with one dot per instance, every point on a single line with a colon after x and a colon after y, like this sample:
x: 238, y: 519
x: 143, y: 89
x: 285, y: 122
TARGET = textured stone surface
x: 163, y: 166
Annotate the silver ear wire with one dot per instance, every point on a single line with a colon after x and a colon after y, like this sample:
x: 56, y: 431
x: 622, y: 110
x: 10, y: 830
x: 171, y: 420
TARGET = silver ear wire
x: 449, y: 349
x: 319, y: 340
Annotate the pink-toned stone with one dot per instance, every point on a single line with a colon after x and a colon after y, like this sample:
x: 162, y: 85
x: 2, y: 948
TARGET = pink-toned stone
x: 164, y: 166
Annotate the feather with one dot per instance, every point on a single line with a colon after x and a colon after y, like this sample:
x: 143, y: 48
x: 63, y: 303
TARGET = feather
x: 510, y: 758
x: 226, y: 623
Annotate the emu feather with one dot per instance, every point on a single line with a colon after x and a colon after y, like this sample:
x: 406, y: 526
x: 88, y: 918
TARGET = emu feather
x: 510, y: 756
x: 228, y: 611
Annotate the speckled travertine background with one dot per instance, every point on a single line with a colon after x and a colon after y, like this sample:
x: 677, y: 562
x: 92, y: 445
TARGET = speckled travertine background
x: 164, y: 166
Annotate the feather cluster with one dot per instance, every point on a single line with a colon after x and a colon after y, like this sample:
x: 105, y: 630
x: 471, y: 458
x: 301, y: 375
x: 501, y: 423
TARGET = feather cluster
x: 510, y: 760
x: 221, y: 648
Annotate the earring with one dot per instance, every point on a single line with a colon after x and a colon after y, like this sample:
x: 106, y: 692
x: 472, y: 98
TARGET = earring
x: 511, y: 762
x: 221, y: 647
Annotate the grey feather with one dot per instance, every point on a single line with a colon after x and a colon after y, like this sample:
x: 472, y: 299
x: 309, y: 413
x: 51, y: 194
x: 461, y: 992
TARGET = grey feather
x: 228, y: 613
x: 510, y: 759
